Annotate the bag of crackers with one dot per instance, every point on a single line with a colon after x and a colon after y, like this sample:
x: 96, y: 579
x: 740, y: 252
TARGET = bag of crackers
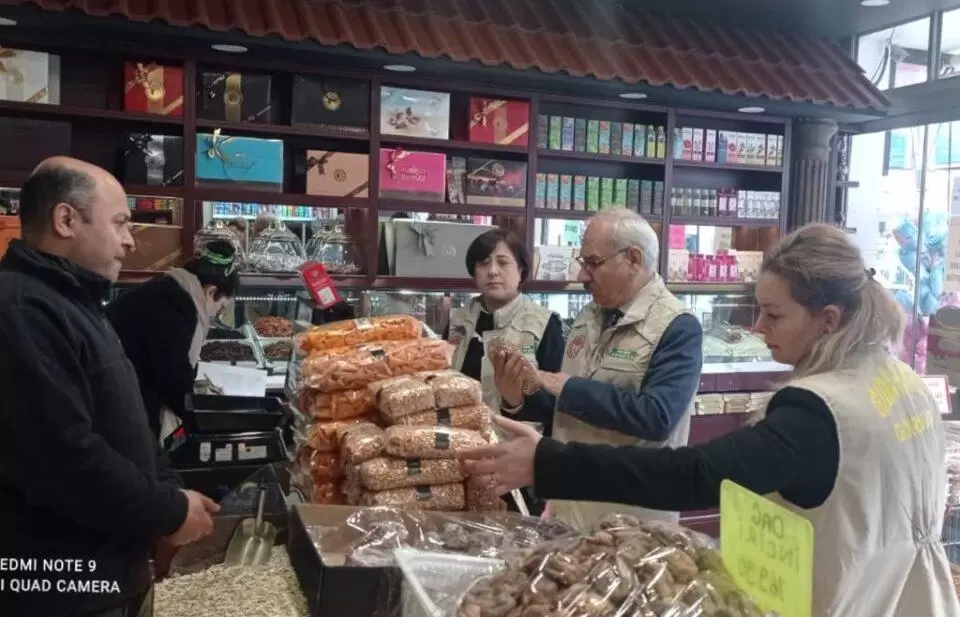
x: 359, y: 331
x: 351, y: 368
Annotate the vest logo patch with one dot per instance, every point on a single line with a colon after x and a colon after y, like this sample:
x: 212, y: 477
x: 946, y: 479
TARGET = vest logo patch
x: 623, y: 354
x: 576, y: 345
x: 528, y: 350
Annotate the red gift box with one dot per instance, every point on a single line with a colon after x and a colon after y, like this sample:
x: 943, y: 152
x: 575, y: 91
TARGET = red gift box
x: 497, y: 121
x: 319, y: 284
x: 153, y: 89
x: 413, y: 175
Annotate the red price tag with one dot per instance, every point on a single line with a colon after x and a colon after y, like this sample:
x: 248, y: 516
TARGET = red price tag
x: 319, y: 284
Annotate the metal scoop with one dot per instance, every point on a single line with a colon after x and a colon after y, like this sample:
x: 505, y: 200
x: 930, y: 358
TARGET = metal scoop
x: 252, y: 541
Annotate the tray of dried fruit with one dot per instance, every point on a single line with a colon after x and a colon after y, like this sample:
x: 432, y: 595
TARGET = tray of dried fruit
x: 274, y: 338
x: 237, y: 352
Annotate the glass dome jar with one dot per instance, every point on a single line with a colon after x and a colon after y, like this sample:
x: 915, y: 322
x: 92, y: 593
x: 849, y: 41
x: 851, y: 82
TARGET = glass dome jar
x: 331, y: 246
x: 276, y: 249
x: 217, y: 230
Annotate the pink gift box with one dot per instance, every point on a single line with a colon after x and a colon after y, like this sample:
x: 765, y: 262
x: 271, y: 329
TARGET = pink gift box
x: 405, y: 174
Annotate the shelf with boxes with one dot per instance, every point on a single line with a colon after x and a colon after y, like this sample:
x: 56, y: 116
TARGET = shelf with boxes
x: 465, y: 157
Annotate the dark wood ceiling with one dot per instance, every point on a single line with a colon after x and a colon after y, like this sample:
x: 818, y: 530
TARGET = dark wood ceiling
x: 827, y: 18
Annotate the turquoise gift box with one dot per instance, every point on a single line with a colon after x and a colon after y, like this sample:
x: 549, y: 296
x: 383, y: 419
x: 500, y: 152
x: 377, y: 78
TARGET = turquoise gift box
x: 239, y: 162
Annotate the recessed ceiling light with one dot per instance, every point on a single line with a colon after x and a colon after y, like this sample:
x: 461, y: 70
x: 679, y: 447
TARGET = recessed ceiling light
x: 633, y: 95
x: 751, y: 110
x: 874, y: 2
x: 230, y: 49
x: 6, y: 21
x: 400, y: 68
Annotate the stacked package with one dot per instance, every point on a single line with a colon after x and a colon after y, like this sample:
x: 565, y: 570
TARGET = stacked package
x: 383, y: 419
x: 431, y: 417
x: 336, y: 363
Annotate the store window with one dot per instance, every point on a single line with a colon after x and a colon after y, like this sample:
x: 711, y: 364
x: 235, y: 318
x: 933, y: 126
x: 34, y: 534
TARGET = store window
x: 950, y: 45
x: 898, y: 56
x: 903, y: 216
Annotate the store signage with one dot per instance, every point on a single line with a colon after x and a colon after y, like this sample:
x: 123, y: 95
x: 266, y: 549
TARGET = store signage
x: 768, y: 551
x: 939, y: 387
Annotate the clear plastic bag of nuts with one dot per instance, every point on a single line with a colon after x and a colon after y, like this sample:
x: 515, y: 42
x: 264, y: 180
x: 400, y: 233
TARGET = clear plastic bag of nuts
x: 621, y: 567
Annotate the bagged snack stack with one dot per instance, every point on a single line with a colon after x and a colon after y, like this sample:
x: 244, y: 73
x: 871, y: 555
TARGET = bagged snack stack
x: 337, y: 418
x: 432, y: 417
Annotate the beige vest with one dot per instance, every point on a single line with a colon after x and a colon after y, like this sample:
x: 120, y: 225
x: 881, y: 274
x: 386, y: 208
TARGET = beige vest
x: 521, y: 322
x: 619, y: 355
x: 877, y: 550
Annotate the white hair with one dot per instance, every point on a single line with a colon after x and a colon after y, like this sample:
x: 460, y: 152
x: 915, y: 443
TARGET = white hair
x: 629, y: 230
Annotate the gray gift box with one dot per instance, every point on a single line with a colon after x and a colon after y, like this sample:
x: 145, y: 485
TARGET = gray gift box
x: 430, y: 248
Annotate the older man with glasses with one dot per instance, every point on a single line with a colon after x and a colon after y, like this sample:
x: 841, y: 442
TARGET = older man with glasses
x: 632, y: 362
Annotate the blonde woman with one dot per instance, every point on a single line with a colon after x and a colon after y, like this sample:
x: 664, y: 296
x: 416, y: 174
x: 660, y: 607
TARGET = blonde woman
x: 853, y: 442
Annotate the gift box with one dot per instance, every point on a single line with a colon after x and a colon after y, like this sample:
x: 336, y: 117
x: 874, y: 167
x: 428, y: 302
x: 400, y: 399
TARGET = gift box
x: 406, y: 174
x: 156, y: 247
x: 496, y: 183
x: 29, y: 76
x: 497, y: 121
x: 336, y: 104
x: 153, y: 89
x: 155, y: 160
x: 239, y: 161
x: 338, y: 174
x: 24, y: 143
x: 432, y: 248
x: 414, y: 113
x: 235, y: 97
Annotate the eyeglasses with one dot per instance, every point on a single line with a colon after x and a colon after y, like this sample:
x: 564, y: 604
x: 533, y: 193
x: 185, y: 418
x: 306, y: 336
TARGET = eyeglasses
x: 590, y: 266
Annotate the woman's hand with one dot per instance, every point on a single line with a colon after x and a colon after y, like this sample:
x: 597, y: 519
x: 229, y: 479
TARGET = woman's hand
x: 509, y: 465
x: 507, y: 370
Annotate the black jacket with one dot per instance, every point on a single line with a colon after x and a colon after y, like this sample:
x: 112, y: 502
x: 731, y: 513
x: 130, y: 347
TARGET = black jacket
x: 156, y: 322
x: 79, y: 473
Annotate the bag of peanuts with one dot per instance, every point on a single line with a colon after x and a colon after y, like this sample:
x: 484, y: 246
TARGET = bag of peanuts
x: 361, y: 443
x: 530, y: 380
x: 446, y: 497
x: 475, y: 418
x: 383, y: 473
x: 358, y: 331
x: 345, y: 405
x: 430, y: 441
x: 452, y: 388
x: 402, y: 396
x: 357, y: 367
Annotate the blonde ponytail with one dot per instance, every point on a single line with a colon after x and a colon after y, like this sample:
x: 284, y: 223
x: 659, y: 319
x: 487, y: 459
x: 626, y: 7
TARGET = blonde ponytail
x: 823, y: 267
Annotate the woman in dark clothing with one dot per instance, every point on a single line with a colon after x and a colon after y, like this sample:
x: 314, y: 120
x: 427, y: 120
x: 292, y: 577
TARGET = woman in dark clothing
x: 163, y: 324
x: 499, y: 264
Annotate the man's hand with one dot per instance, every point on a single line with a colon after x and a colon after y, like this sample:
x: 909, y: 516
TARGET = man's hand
x: 198, y: 522
x: 506, y: 377
x: 510, y: 463
x: 553, y: 382
x: 164, y: 550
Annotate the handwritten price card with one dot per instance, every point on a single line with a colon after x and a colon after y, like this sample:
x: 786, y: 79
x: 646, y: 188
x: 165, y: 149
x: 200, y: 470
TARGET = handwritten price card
x: 768, y: 551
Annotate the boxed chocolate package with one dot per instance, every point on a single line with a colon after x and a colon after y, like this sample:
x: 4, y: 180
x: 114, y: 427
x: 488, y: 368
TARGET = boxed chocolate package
x: 331, y: 103
x: 156, y: 247
x: 153, y: 89
x: 407, y: 174
x: 29, y: 76
x: 235, y: 97
x: 223, y: 160
x: 414, y: 113
x: 499, y: 121
x: 155, y: 160
x: 496, y: 183
x: 338, y: 174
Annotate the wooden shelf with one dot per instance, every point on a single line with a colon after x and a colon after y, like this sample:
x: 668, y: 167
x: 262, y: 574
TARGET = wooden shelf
x: 279, y: 130
x: 292, y: 279
x: 438, y: 207
x: 209, y: 193
x: 450, y: 144
x: 603, y: 158
x: 711, y: 288
x: 717, y: 221
x: 62, y: 111
x: 144, y: 190
x: 576, y: 215
x: 727, y: 166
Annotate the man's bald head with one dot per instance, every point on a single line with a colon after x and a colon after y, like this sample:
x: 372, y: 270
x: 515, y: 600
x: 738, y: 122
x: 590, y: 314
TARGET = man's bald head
x: 59, y: 179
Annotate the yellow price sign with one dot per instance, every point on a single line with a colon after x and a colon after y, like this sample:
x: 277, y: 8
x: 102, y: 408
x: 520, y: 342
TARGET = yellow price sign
x: 768, y: 550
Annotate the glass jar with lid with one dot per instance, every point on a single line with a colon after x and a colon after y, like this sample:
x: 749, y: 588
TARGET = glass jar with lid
x: 275, y: 249
x: 217, y: 230
x: 333, y: 247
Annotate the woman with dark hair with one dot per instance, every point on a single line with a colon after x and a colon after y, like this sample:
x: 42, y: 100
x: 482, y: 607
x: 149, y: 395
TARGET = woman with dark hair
x: 163, y: 324
x: 499, y: 263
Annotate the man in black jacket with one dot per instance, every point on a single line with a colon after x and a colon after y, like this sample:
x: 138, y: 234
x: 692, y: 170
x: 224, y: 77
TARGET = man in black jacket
x: 82, y: 497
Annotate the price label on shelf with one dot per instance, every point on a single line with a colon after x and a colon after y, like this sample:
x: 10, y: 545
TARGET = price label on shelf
x: 768, y: 551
